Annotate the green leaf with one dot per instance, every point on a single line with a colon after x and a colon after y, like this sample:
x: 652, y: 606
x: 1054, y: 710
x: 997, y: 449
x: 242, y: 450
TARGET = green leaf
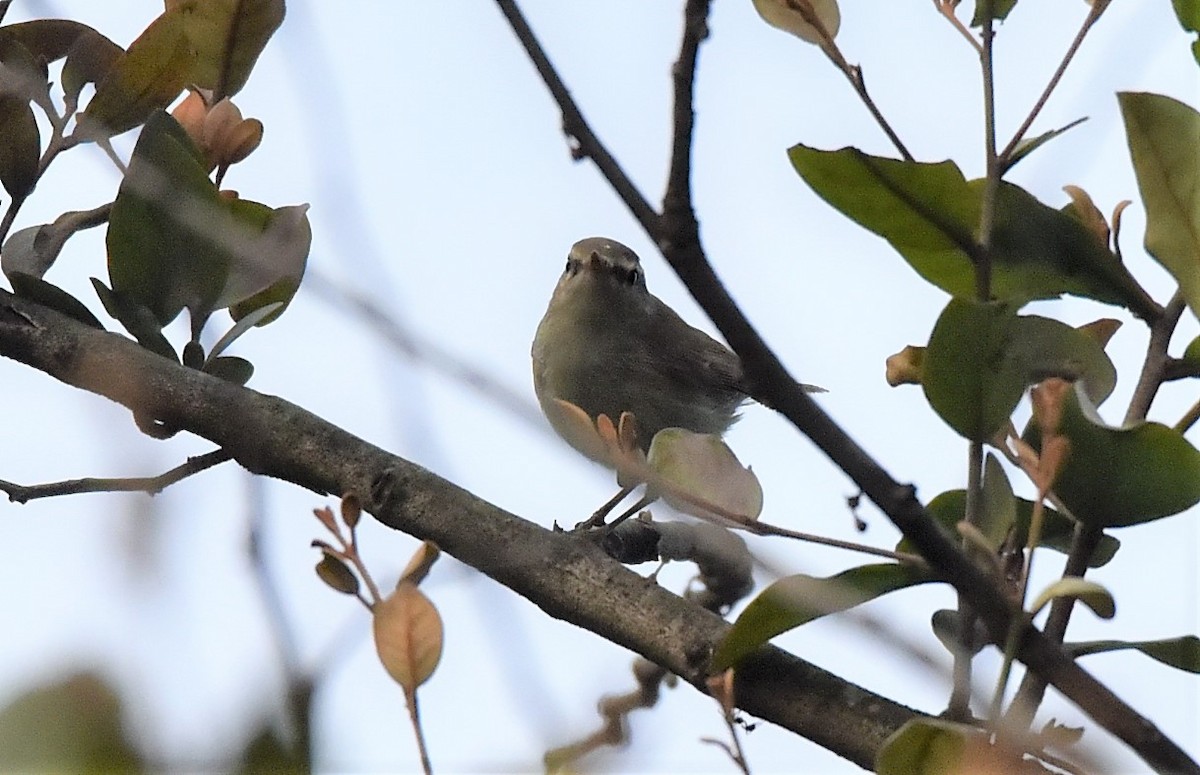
x: 161, y: 231
x: 1192, y: 353
x: 145, y: 79
x: 136, y: 319
x: 228, y: 36
x: 1188, y: 13
x: 796, y: 600
x: 949, y: 508
x: 968, y: 377
x: 781, y: 15
x: 1182, y: 652
x: 268, y: 266
x: 20, y: 148
x: 48, y: 39
x: 1091, y: 594
x: 1031, y: 144
x: 34, y: 288
x: 1115, y: 477
x: 90, y: 60
x: 230, y: 368
x: 1164, y: 138
x: 1000, y: 10
x: 999, y: 505
x: 930, y: 746
x: 981, y: 357
x: 23, y: 74
x: 929, y: 213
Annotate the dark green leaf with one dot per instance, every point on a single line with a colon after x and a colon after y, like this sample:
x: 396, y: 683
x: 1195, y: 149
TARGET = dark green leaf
x: 1192, y: 353
x: 968, y: 375
x: 37, y: 289
x: 275, y: 259
x: 228, y: 36
x: 1031, y: 144
x: 162, y: 229
x: 136, y: 319
x: 48, y: 39
x: 20, y: 148
x: 999, y: 10
x: 949, y: 508
x: 145, y: 79
x: 796, y: 600
x: 1164, y: 135
x: 231, y: 369
x: 929, y: 213
x: 1188, y: 13
x: 23, y: 74
x: 947, y: 626
x: 1115, y: 477
x: 90, y: 60
x: 999, y: 506
x: 1182, y: 652
x: 193, y: 355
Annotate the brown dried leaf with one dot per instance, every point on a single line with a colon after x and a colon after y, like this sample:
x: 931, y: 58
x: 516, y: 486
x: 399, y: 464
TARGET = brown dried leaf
x: 408, y: 636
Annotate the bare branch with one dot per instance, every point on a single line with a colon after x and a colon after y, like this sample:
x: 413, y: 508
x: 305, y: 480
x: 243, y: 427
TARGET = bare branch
x: 151, y: 485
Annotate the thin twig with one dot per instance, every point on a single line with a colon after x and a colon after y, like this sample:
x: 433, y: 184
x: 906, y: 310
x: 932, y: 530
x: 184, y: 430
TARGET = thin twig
x: 1189, y: 418
x: 586, y: 145
x: 678, y: 219
x: 853, y: 73
x: 946, y: 9
x: 1095, y: 10
x: 152, y: 485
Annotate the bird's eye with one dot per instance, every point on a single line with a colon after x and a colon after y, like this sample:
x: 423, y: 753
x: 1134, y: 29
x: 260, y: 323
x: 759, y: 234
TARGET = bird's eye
x: 569, y: 268
x: 631, y: 277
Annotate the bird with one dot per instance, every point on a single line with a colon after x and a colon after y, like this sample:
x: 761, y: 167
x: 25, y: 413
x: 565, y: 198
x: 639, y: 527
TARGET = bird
x: 609, y: 346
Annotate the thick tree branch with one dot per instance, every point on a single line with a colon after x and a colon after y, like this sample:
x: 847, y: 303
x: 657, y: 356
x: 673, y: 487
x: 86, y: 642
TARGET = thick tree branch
x: 566, y: 576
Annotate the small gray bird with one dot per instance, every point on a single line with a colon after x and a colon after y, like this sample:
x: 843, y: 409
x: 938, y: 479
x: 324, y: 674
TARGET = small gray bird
x: 607, y: 345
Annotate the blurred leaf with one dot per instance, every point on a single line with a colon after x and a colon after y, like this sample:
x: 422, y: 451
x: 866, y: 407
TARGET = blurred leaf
x: 48, y: 39
x: 71, y: 726
x: 1115, y: 477
x: 697, y: 471
x: 796, y: 600
x: 145, y: 79
x: 1000, y: 10
x: 932, y: 746
x: 947, y: 626
x: 1188, y: 13
x: 408, y: 636
x: 21, y: 147
x: 949, y: 508
x: 266, y: 754
x: 241, y: 327
x: 1164, y: 135
x: 781, y: 15
x: 929, y: 213
x: 20, y: 253
x: 89, y: 60
x: 269, y: 265
x: 1182, y: 652
x: 1031, y: 144
x: 1088, y: 592
x: 228, y: 36
x: 37, y: 289
x: 999, y: 505
x: 23, y: 74
x: 136, y: 319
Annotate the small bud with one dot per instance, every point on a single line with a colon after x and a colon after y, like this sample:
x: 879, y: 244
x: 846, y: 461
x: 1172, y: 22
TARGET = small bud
x: 351, y: 510
x: 325, y: 516
x: 904, y: 368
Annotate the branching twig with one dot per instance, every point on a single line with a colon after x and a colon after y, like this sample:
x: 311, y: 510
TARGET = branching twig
x: 152, y: 485
x: 1095, y: 10
x: 1154, y: 367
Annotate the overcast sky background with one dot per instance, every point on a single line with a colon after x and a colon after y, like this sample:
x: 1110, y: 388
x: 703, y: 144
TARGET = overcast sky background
x: 442, y: 189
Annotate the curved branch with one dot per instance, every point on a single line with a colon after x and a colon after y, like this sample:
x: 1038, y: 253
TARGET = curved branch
x: 565, y: 575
